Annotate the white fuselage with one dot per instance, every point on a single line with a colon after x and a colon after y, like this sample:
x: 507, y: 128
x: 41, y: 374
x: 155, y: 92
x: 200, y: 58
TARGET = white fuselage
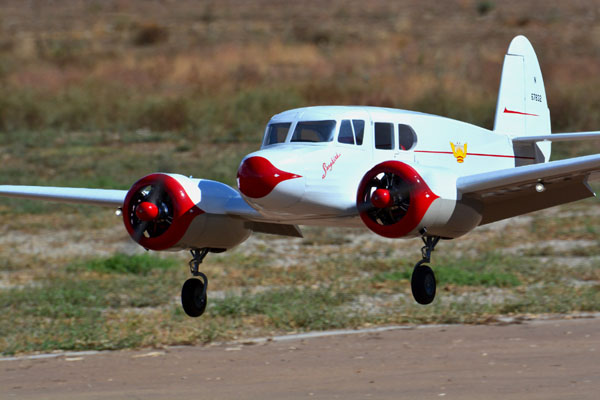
x: 330, y: 171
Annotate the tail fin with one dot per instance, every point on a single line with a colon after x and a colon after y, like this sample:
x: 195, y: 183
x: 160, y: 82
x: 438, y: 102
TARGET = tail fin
x: 522, y: 109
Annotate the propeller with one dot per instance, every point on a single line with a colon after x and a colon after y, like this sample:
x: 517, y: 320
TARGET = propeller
x: 150, y: 211
x: 385, y: 198
x: 158, y: 211
x: 392, y: 199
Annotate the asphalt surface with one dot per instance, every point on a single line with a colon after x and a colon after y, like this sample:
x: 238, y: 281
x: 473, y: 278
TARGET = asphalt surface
x: 551, y: 359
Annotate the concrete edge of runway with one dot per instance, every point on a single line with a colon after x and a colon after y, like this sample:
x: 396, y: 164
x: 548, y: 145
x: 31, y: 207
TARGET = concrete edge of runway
x: 503, y: 320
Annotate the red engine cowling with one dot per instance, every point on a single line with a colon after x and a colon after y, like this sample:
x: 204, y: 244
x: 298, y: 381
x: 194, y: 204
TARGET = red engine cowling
x: 163, y: 212
x: 392, y: 199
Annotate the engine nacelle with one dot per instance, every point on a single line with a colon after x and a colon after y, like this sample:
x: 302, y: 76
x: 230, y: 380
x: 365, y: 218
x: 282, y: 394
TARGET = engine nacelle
x: 392, y: 199
x: 173, y: 212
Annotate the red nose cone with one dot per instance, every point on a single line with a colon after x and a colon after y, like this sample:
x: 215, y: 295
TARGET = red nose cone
x: 146, y: 211
x: 381, y: 198
x: 257, y: 177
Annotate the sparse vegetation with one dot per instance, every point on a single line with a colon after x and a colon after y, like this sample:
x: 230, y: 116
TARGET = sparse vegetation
x: 131, y: 301
x: 99, y: 94
x: 485, y: 6
x: 136, y: 264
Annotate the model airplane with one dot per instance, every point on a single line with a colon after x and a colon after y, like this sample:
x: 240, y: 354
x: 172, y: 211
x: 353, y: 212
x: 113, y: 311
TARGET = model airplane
x: 400, y: 173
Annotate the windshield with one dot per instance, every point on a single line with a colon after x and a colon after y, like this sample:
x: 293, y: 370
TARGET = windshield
x: 276, y: 133
x: 314, y: 131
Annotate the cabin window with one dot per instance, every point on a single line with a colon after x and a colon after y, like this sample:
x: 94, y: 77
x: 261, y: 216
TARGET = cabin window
x: 384, y: 135
x: 276, y: 133
x: 406, y: 137
x: 359, y: 130
x: 346, y: 135
x: 314, y: 131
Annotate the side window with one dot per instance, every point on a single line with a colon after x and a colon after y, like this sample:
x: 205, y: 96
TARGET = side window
x: 276, y: 133
x: 406, y: 137
x: 359, y: 130
x: 384, y: 135
x: 346, y: 135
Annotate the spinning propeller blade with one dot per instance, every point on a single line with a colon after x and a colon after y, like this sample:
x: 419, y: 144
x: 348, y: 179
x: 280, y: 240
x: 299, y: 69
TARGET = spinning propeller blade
x: 386, y: 198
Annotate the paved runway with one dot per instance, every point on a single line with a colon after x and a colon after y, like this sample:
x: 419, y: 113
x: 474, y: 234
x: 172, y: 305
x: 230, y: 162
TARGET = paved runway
x: 553, y: 359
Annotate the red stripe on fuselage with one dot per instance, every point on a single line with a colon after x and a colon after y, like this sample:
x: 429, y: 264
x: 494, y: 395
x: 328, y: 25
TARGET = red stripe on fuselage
x: 474, y: 154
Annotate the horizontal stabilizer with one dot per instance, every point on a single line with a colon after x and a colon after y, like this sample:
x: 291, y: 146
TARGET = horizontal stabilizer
x: 558, y: 137
x: 99, y: 197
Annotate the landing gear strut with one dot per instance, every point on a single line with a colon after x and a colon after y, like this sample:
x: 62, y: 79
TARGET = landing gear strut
x: 423, y: 279
x: 193, y: 293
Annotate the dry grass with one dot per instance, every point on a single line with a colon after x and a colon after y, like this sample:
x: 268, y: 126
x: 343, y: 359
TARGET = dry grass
x: 138, y: 64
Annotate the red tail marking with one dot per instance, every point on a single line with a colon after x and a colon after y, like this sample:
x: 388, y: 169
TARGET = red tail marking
x: 507, y: 111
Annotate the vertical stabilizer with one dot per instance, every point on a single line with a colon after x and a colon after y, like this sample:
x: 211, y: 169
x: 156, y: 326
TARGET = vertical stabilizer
x: 522, y: 109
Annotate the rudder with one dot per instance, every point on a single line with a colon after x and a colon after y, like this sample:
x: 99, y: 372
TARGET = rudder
x: 522, y: 109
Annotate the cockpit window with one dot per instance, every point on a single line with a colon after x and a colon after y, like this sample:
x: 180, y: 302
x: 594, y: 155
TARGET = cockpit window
x: 276, y: 133
x: 314, y: 131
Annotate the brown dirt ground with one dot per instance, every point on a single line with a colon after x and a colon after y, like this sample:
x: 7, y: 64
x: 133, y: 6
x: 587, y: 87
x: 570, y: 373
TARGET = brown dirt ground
x: 551, y: 359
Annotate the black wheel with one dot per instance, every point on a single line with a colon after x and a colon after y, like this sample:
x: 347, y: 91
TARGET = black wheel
x: 193, y: 297
x: 423, y: 284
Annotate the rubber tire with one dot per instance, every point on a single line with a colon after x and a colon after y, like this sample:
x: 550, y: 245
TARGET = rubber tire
x: 192, y: 300
x: 423, y: 284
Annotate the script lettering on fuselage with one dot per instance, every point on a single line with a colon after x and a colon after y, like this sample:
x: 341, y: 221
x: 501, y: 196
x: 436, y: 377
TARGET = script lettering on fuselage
x: 328, y: 166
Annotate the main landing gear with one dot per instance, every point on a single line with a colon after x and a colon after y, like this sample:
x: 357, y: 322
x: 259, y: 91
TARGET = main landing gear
x: 423, y: 279
x: 193, y: 293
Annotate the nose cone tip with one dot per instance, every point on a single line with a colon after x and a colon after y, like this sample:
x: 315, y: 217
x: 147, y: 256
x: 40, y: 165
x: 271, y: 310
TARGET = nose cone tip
x: 257, y: 177
x: 146, y: 211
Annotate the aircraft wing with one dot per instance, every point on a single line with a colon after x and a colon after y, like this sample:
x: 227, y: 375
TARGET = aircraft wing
x: 558, y: 137
x: 99, y: 197
x: 223, y: 203
x: 511, y: 192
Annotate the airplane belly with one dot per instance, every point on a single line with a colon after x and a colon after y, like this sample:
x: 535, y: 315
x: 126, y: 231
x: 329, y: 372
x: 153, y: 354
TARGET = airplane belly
x: 327, y: 201
x: 214, y: 231
x: 316, y: 203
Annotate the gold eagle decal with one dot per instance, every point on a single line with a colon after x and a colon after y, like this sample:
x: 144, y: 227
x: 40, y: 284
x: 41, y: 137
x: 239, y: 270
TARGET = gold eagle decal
x: 459, y: 153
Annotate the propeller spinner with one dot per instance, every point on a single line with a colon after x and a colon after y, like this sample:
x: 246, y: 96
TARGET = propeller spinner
x: 146, y: 211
